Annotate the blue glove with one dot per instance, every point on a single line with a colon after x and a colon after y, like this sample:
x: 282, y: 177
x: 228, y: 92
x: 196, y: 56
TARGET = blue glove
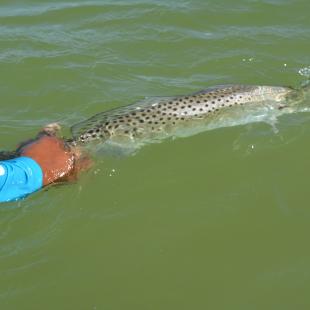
x: 19, y: 177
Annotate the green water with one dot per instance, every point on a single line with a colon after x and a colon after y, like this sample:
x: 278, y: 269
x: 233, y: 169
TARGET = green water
x: 219, y: 220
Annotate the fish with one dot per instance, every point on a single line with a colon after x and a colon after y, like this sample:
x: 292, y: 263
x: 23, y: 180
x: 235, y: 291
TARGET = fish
x: 156, y: 118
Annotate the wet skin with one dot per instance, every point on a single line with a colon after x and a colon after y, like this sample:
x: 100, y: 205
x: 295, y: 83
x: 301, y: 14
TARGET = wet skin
x: 58, y: 161
x: 50, y: 153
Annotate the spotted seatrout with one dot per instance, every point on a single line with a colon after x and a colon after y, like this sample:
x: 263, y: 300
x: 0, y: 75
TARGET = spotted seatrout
x: 155, y: 118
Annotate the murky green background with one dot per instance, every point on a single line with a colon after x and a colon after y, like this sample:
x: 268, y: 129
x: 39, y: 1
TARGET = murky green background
x: 220, y: 220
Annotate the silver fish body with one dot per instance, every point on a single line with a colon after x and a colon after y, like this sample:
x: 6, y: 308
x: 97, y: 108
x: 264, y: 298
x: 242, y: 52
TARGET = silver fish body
x: 155, y: 118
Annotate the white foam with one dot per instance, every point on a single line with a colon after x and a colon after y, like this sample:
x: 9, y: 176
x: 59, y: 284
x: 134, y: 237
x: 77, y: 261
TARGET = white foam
x: 305, y: 72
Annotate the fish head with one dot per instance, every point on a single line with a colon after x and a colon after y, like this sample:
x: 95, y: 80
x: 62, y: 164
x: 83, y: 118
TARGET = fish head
x: 282, y: 94
x: 295, y: 100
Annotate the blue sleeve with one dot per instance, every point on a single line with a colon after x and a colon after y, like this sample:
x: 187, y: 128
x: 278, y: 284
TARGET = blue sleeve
x: 19, y: 177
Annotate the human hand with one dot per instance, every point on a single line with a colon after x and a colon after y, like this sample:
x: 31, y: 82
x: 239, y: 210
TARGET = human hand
x: 54, y: 158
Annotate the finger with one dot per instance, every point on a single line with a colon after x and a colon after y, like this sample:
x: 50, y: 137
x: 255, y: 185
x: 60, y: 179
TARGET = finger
x: 51, y: 129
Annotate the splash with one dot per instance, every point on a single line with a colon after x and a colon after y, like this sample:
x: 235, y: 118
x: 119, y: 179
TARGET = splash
x: 305, y: 72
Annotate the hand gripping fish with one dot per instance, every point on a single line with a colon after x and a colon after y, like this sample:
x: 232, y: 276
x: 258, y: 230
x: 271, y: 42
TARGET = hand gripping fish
x: 48, y: 159
x: 125, y: 129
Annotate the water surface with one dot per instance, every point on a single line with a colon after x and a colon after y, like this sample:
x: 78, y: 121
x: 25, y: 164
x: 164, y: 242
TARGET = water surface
x: 215, y: 221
